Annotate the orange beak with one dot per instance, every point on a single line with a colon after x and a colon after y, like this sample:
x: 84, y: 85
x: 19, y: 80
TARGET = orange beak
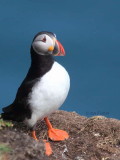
x: 58, y: 49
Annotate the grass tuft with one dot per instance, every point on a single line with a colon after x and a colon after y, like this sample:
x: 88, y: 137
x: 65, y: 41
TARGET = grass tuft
x: 4, y: 124
x: 4, y: 148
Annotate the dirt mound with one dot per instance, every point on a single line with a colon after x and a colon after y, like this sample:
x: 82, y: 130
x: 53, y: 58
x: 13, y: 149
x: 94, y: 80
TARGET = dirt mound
x: 95, y: 138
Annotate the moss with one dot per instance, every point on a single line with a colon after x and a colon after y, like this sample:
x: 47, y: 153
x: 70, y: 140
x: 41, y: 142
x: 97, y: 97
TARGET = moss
x: 4, y: 148
x: 4, y: 124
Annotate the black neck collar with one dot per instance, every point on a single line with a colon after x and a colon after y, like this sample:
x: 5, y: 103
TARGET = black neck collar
x: 40, y: 64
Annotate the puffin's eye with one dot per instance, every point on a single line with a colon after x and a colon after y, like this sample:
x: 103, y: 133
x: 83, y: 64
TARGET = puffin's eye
x: 44, y: 39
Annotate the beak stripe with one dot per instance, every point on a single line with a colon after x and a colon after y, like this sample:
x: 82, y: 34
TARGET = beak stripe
x: 62, y: 51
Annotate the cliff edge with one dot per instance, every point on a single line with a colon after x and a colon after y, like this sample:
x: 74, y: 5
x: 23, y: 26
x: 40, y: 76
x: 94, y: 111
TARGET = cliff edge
x: 95, y: 138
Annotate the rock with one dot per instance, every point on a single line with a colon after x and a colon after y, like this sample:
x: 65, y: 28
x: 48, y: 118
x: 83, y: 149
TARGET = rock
x: 95, y: 138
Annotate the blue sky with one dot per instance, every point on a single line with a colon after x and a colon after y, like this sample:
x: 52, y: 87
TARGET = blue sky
x: 90, y: 33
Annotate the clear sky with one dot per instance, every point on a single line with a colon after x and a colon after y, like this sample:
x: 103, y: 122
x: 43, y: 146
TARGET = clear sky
x: 90, y: 33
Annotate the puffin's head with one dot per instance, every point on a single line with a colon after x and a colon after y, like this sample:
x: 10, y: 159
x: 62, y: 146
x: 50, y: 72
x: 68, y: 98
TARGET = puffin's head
x: 45, y: 43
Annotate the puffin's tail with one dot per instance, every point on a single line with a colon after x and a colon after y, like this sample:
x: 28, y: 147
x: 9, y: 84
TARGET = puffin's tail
x: 9, y: 113
x: 7, y: 109
x: 6, y: 116
x: 14, y: 113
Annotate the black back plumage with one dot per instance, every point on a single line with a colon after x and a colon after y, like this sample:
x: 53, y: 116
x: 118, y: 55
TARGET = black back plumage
x: 20, y: 109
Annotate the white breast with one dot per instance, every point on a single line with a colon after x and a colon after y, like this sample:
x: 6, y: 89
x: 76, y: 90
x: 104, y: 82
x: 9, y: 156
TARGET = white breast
x: 49, y: 93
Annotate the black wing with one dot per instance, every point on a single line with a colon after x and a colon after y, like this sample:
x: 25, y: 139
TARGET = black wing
x: 19, y: 109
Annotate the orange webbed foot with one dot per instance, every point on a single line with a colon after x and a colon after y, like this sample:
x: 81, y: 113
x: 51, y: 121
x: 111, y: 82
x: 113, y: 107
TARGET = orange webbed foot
x: 57, y: 134
x: 48, y: 149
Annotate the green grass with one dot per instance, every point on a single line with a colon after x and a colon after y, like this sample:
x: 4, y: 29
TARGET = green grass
x: 4, y: 124
x: 4, y: 148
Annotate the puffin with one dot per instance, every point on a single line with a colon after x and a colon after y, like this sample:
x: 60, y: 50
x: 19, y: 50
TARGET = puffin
x: 43, y: 90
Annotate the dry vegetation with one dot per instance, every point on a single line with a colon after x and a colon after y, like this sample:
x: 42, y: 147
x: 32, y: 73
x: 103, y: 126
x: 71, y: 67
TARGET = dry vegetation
x: 95, y: 138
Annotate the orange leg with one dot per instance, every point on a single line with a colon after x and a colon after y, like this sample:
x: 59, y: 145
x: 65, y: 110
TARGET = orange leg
x: 48, y: 149
x: 34, y: 135
x: 55, y: 134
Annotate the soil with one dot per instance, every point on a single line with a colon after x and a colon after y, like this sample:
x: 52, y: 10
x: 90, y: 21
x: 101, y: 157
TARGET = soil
x: 95, y: 138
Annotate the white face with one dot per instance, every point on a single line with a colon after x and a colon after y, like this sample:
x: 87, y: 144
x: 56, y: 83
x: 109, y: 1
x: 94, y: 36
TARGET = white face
x: 43, y: 44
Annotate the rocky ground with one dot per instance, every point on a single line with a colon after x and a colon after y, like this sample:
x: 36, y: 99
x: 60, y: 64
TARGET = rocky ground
x: 95, y: 138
